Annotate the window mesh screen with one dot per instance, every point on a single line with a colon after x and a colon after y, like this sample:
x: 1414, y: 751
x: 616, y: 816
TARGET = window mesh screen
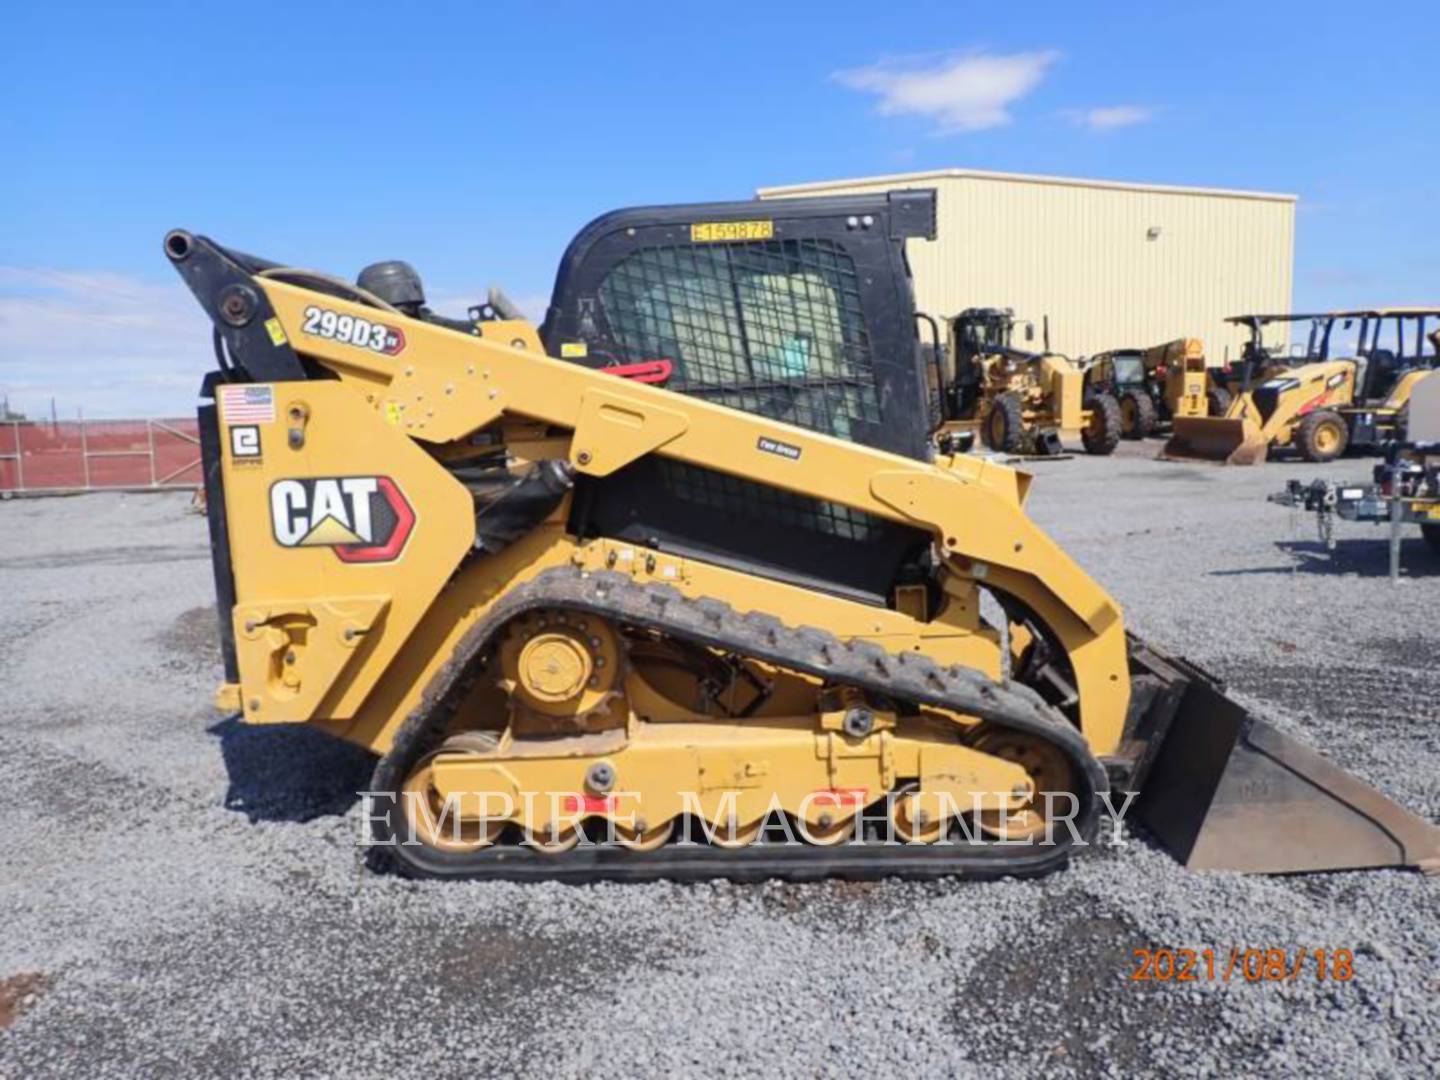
x: 772, y: 328
x: 747, y: 499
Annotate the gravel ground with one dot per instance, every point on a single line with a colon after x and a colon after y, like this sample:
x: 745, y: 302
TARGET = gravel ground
x: 183, y: 894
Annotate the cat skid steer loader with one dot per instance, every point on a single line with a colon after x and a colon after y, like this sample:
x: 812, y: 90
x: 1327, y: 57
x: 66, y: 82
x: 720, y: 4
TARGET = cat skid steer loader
x: 729, y: 626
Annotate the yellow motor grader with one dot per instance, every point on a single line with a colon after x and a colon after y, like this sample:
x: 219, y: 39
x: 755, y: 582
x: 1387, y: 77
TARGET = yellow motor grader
x: 1021, y: 402
x: 724, y: 625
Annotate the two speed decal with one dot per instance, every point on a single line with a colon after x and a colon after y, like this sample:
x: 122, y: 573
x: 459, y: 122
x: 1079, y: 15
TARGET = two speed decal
x: 353, y: 330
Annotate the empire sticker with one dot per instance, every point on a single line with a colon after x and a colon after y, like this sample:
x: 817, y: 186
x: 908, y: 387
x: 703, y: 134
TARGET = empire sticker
x: 245, y: 443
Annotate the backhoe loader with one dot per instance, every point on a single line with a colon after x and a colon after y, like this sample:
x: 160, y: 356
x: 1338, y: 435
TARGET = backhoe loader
x: 1320, y: 401
x: 728, y: 626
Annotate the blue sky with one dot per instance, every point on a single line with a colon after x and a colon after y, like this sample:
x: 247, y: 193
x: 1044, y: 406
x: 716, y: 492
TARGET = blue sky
x: 475, y: 139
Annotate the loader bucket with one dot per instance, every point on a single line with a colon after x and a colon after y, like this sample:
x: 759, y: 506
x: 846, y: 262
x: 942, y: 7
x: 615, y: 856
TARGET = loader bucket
x: 1214, y: 438
x: 1227, y: 791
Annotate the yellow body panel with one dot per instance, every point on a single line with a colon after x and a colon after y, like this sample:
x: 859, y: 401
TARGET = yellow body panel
x: 1399, y: 395
x: 1066, y: 384
x: 373, y: 419
x: 663, y: 770
x: 331, y: 676
x: 1186, y: 375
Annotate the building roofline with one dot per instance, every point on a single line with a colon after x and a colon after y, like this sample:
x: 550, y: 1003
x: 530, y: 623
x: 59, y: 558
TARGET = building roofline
x: 1020, y: 178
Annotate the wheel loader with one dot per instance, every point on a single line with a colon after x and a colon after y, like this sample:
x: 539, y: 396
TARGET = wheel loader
x: 729, y: 626
x: 1022, y: 402
x: 1154, y: 386
x: 1318, y: 402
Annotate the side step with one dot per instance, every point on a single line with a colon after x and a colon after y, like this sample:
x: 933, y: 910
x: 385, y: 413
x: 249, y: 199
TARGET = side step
x: 1227, y: 791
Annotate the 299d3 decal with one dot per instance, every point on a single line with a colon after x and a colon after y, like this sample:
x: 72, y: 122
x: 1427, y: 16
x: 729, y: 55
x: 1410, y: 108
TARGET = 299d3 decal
x: 364, y: 519
x: 353, y: 330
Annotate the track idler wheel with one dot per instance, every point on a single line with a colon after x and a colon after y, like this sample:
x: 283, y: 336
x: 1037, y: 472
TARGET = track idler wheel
x: 425, y: 810
x: 1050, y: 773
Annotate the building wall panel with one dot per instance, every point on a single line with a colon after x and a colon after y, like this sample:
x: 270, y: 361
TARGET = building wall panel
x: 1080, y: 252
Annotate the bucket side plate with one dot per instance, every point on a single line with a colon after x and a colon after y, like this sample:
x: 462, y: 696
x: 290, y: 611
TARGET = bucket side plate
x: 1212, y: 438
x: 1227, y: 791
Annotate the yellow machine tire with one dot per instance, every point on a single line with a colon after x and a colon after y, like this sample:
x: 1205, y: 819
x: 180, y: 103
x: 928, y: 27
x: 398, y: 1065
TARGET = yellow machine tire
x: 1217, y: 401
x: 1004, y: 426
x: 1101, y: 434
x: 1322, y: 436
x: 1138, y: 416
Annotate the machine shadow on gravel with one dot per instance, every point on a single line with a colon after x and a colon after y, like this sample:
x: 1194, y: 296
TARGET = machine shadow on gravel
x: 1361, y: 556
x: 289, y: 773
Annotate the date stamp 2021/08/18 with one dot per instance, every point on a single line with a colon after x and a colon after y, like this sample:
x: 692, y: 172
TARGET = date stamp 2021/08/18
x: 1242, y: 965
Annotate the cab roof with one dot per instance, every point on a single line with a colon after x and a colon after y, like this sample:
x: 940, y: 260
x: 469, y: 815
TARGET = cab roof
x: 1358, y: 313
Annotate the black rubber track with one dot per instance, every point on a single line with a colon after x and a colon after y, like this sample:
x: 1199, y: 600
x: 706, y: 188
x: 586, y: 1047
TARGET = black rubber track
x: 907, y: 676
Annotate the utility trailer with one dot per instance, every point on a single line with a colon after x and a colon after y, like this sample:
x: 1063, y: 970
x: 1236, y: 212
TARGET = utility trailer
x: 1404, y: 490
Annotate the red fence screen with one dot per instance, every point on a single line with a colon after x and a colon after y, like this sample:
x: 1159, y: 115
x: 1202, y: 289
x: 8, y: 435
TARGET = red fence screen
x: 80, y: 455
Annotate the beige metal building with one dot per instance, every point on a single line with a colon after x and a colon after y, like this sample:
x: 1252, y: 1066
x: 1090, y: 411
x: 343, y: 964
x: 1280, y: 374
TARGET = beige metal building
x: 1113, y: 265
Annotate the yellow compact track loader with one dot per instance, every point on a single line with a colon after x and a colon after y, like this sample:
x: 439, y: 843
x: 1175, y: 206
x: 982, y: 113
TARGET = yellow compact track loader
x: 1021, y: 402
x: 728, y: 626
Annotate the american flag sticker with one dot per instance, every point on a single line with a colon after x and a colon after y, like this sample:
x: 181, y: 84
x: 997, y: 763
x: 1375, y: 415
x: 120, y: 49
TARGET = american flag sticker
x: 247, y: 404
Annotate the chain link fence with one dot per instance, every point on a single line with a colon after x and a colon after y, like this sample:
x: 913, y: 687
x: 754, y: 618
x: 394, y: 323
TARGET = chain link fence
x: 38, y: 457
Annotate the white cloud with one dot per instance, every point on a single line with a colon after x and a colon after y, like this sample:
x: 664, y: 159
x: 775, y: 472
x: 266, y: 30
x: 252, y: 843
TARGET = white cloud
x: 967, y: 92
x: 109, y: 344
x: 112, y: 345
x: 1109, y: 117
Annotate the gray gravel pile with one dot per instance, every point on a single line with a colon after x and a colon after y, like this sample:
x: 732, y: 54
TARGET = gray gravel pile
x: 193, y: 892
